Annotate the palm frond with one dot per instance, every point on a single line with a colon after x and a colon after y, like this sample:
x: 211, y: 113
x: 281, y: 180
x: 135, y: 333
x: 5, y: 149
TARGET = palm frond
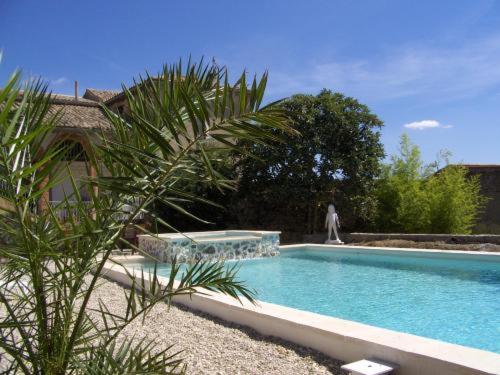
x: 52, y: 266
x: 129, y: 357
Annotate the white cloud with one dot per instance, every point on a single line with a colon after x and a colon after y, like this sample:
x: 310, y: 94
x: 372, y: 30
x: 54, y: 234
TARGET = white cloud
x: 59, y: 81
x: 421, y: 125
x: 435, y: 72
x: 426, y: 124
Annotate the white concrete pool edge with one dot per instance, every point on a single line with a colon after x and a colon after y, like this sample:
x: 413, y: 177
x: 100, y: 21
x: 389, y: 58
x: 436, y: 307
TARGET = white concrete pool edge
x: 215, y: 233
x: 400, y: 250
x: 341, y: 339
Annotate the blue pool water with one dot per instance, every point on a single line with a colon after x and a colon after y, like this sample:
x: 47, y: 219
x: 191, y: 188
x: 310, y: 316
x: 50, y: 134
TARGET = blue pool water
x: 453, y: 300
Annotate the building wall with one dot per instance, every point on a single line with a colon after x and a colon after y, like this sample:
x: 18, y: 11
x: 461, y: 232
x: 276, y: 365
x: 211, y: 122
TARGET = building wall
x: 79, y: 172
x: 78, y: 169
x: 489, y: 220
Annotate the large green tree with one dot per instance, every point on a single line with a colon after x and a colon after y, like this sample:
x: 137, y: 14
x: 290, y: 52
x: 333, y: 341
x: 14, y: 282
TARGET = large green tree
x: 333, y: 156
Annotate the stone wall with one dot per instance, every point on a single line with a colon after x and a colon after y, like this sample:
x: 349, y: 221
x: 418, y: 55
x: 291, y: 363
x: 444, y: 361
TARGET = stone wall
x: 243, y: 247
x: 448, y: 238
x: 489, y: 177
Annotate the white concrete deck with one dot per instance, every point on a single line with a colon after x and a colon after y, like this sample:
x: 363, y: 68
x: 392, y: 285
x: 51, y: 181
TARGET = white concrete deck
x: 225, y: 238
x: 214, y: 234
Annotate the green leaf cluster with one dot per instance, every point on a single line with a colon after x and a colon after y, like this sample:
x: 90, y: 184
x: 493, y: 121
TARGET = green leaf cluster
x: 333, y: 155
x: 51, y: 268
x: 417, y: 198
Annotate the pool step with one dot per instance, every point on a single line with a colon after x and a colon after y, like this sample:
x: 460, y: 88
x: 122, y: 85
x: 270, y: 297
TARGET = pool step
x: 225, y: 239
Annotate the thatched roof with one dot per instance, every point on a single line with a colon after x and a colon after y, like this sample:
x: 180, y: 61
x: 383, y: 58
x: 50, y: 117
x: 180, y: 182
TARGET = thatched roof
x: 81, y: 113
x: 121, y: 95
x: 100, y: 95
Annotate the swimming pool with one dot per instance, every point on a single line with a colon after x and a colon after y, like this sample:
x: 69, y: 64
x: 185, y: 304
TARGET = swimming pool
x: 445, y: 297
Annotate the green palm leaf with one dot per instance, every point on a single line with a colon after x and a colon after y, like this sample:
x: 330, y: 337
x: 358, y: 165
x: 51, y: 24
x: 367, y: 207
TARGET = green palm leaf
x: 52, y: 267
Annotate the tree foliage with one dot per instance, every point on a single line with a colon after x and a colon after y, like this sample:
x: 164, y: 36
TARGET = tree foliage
x: 417, y: 198
x: 214, y: 211
x: 333, y: 156
x: 51, y: 268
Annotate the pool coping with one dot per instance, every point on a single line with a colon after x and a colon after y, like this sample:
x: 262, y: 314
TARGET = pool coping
x: 412, y: 251
x: 339, y: 338
x: 195, y: 235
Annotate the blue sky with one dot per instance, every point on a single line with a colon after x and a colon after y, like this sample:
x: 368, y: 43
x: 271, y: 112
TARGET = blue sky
x: 433, y: 66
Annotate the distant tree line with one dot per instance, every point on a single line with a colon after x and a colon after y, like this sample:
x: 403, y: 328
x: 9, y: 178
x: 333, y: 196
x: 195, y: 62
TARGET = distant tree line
x: 335, y: 155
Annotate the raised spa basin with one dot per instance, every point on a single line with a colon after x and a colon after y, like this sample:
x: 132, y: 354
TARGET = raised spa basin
x: 230, y: 244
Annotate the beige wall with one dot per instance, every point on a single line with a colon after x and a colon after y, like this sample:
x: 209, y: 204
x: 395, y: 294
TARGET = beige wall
x: 78, y: 171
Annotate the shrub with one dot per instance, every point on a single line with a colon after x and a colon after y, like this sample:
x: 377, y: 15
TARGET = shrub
x: 417, y: 198
x: 454, y: 200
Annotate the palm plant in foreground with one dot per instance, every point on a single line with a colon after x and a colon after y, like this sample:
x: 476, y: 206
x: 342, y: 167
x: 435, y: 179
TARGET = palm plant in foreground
x: 51, y: 268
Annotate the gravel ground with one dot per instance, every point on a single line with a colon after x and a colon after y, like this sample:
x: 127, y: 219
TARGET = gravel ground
x: 213, y: 346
